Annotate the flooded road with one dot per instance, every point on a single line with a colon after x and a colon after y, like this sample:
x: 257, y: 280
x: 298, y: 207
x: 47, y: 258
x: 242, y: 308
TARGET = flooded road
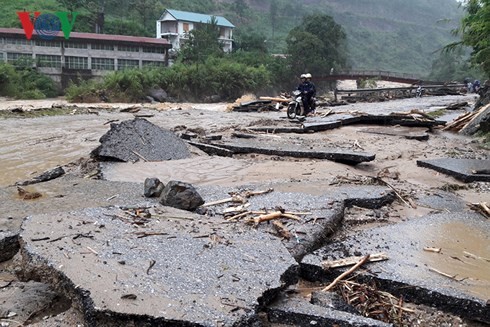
x: 31, y: 146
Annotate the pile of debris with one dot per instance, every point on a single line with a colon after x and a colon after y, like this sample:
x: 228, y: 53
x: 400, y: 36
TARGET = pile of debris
x: 470, y: 122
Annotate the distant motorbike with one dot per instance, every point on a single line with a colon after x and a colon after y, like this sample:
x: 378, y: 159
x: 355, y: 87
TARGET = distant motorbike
x: 419, y: 92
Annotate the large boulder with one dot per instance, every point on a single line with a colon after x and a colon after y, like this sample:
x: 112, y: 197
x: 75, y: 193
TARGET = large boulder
x: 181, y: 195
x: 158, y: 94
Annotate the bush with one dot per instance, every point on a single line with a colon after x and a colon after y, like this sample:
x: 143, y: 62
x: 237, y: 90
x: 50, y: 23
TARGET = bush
x: 24, y: 82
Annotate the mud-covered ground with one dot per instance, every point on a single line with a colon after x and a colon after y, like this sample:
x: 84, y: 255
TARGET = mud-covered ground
x: 59, y: 136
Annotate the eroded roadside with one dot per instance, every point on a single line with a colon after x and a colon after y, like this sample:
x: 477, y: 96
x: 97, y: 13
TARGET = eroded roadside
x: 207, y: 269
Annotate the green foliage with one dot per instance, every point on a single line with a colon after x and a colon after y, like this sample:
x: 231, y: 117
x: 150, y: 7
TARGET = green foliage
x: 9, y: 80
x: 475, y: 33
x: 84, y: 91
x: 194, y: 82
x: 202, y: 43
x: 453, y: 66
x: 24, y: 82
x: 317, y: 45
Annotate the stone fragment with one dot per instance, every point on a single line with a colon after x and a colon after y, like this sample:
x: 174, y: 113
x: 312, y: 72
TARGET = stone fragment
x: 153, y: 187
x: 181, y: 195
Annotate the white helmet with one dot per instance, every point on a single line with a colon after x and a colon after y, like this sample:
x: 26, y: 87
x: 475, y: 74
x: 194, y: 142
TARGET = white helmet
x: 303, y: 76
x: 308, y: 75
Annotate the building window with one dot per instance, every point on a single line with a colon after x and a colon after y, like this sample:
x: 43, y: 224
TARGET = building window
x: 185, y: 26
x: 102, y: 46
x: 76, y: 62
x: 44, y: 43
x: 48, y: 61
x: 17, y: 59
x: 127, y: 63
x: 72, y: 45
x: 103, y: 63
x: 19, y: 41
x: 128, y: 48
x: 148, y: 63
x: 154, y: 49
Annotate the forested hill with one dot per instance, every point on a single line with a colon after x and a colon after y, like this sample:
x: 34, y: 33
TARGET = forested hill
x: 395, y: 35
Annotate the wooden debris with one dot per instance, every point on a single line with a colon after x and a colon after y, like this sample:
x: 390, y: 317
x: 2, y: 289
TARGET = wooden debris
x: 481, y: 208
x: 353, y: 260
x: 325, y: 114
x: 282, y: 230
x: 235, y: 210
x: 430, y: 249
x: 272, y: 216
x: 234, y: 198
x: 239, y: 198
x: 394, y: 190
x: 464, y: 120
x: 481, y: 171
x: 346, y: 273
x: 26, y: 195
x: 474, y: 256
x: 374, y: 303
x: 276, y: 99
x: 453, y: 277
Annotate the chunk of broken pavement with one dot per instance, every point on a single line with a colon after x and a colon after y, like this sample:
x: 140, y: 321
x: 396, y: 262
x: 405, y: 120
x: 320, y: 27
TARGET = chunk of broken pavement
x: 181, y: 195
x: 139, y: 139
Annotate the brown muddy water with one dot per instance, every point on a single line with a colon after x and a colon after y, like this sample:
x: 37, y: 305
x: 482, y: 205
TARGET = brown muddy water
x: 31, y: 146
x: 465, y: 255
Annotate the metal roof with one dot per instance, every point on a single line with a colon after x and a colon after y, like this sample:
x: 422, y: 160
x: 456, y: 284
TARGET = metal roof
x: 197, y: 18
x: 76, y: 36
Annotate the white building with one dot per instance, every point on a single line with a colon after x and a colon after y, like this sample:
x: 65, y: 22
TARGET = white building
x: 174, y: 26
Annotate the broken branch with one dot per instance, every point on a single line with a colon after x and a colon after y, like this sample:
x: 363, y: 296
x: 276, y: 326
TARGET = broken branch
x: 352, y: 260
x: 348, y: 272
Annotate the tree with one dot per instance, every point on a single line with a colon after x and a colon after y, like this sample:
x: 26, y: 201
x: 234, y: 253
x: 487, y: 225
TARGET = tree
x: 317, y: 45
x: 475, y: 33
x: 273, y: 16
x: 240, y: 7
x: 94, y: 11
x: 203, y: 42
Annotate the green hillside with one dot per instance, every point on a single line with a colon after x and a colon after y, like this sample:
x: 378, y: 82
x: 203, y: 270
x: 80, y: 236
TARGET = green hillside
x: 394, y: 35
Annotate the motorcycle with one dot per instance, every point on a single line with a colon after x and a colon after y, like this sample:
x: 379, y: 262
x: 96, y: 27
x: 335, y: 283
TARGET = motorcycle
x: 295, y: 106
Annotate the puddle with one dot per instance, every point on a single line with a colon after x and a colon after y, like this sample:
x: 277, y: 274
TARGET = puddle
x: 198, y: 170
x: 465, y: 255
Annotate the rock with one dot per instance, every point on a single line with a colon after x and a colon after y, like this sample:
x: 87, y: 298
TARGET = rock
x: 181, y: 195
x: 46, y: 176
x: 158, y: 94
x: 138, y: 139
x: 153, y: 187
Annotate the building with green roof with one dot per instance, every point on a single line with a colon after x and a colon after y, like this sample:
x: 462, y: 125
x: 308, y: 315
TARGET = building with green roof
x: 175, y: 25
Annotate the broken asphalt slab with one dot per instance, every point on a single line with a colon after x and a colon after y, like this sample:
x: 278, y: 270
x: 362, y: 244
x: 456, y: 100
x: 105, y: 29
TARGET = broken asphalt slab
x: 269, y: 147
x: 333, y: 121
x: 298, y: 312
x: 139, y: 139
x: 59, y: 195
x: 177, y: 268
x: 461, y: 169
x: 454, y: 280
x: 324, y: 212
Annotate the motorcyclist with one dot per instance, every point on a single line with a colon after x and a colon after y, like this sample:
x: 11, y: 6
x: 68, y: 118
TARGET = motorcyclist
x: 309, y: 93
